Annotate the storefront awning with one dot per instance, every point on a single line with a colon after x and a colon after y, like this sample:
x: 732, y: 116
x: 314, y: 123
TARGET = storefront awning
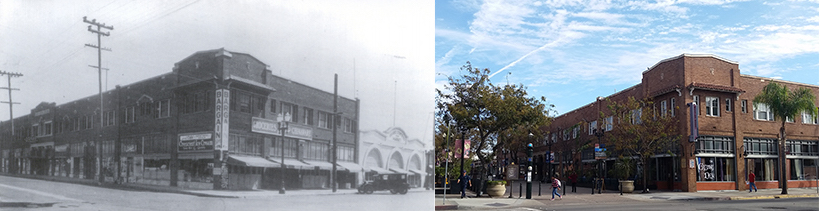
x: 290, y: 163
x: 401, y: 171
x: 378, y: 170
x: 252, y: 161
x: 418, y: 171
x: 321, y: 164
x: 352, y: 167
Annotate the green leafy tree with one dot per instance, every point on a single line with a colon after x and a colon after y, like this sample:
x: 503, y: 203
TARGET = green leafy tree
x: 482, y: 111
x: 638, y: 131
x: 783, y: 104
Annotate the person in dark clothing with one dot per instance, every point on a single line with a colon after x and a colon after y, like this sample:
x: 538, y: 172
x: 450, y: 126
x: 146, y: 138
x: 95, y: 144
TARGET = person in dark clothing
x: 752, y: 181
x: 464, y: 181
x: 574, y: 179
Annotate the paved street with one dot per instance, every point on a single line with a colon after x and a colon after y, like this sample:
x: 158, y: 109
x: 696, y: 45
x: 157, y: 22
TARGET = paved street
x: 66, y: 196
x: 797, y: 199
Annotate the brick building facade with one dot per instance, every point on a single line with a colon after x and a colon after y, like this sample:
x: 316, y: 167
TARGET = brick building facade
x: 213, y: 122
x: 735, y: 136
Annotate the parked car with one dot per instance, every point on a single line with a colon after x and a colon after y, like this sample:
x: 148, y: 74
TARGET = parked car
x: 395, y: 183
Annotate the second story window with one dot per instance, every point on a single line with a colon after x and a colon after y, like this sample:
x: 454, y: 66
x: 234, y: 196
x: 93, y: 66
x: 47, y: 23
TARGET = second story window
x: 743, y: 106
x: 608, y: 122
x: 307, y: 116
x: 325, y: 120
x: 129, y: 114
x: 289, y: 112
x: 163, y: 108
x: 762, y: 112
x: 109, y: 118
x: 593, y: 126
x: 672, y: 107
x: 712, y: 106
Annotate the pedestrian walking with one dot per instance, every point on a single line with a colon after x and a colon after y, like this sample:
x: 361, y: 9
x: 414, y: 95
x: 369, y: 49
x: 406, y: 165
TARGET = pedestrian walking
x: 752, y: 181
x: 464, y: 181
x: 556, y: 185
x: 574, y: 179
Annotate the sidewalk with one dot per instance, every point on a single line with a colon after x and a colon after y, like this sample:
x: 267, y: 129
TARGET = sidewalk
x: 585, y: 196
x: 202, y: 193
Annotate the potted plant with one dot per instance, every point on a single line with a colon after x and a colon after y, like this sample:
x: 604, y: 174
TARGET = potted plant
x: 623, y: 169
x: 496, y: 188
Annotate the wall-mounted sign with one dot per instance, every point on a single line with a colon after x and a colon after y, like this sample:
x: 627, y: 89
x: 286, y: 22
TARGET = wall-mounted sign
x: 221, y: 127
x: 271, y: 127
x: 129, y: 148
x: 61, y: 148
x: 195, y: 142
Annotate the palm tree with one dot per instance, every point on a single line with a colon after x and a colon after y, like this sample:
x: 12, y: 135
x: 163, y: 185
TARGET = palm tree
x: 783, y: 104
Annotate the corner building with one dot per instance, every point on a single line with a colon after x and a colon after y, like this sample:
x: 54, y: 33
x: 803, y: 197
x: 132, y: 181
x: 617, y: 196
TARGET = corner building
x: 211, y: 123
x: 735, y: 136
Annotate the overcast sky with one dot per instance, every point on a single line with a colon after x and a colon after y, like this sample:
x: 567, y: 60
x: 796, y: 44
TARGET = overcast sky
x: 380, y: 50
x: 574, y: 51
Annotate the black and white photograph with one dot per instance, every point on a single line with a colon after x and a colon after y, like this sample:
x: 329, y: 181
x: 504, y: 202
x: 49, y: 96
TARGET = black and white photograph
x: 217, y: 105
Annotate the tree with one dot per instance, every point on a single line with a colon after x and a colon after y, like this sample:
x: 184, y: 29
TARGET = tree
x: 640, y: 131
x: 783, y: 104
x: 483, y: 111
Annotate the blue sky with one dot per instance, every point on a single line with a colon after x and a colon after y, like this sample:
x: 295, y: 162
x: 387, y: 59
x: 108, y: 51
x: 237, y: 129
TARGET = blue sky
x: 573, y: 51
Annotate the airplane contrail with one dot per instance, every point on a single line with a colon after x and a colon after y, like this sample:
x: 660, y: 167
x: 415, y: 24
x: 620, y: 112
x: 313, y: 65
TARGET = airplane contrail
x: 525, y: 56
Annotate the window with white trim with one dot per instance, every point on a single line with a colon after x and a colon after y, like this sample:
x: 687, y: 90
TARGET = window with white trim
x: 789, y: 119
x: 575, y: 131
x: 636, y: 116
x: 743, y: 106
x: 109, y: 118
x: 712, y: 106
x: 608, y: 123
x: 672, y: 106
x: 728, y: 103
x: 593, y: 126
x: 663, y: 108
x: 762, y: 112
x: 807, y: 118
x: 163, y: 108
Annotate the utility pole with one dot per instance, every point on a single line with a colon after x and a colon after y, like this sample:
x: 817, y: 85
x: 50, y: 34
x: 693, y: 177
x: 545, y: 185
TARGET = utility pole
x: 10, y: 102
x: 336, y: 119
x: 99, y: 48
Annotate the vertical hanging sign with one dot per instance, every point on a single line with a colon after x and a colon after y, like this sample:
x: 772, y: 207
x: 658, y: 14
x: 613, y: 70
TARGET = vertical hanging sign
x: 221, y: 109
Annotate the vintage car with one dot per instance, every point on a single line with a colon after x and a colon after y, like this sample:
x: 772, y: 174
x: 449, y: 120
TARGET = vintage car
x: 395, y: 183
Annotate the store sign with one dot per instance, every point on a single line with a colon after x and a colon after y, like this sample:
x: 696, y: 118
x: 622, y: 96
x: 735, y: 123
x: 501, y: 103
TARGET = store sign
x: 222, y: 109
x: 271, y: 127
x: 61, y: 148
x: 195, y: 142
x: 129, y: 148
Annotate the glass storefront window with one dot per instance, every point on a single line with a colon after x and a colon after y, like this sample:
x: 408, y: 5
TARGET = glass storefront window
x: 803, y: 169
x: 765, y: 169
x: 716, y: 169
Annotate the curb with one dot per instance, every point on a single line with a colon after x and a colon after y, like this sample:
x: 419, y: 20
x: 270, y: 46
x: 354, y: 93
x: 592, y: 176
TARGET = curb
x: 774, y: 197
x: 446, y: 207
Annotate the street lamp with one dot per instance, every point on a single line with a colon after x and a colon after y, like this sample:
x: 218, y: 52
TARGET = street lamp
x: 600, y: 134
x: 446, y: 158
x: 283, y: 126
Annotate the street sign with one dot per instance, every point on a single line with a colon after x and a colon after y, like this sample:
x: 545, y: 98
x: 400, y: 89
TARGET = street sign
x: 600, y: 155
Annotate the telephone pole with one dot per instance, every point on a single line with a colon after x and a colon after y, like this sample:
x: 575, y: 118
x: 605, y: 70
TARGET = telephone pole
x: 10, y: 102
x: 99, y: 48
